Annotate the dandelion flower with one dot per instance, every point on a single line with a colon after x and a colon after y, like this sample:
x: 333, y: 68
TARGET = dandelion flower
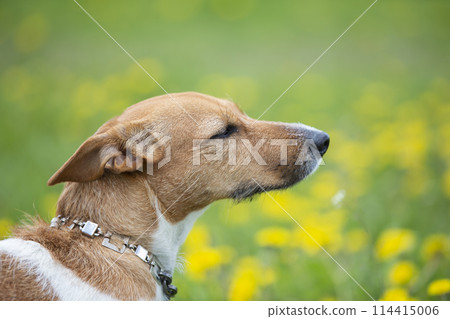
x: 200, y: 256
x: 320, y: 230
x: 436, y: 245
x: 5, y: 225
x: 198, y: 238
x: 402, y: 272
x: 393, y: 242
x: 272, y: 237
x: 248, y: 277
x: 439, y: 287
x: 396, y: 294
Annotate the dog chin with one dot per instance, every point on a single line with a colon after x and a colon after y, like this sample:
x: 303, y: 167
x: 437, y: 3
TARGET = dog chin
x: 247, y: 190
x: 310, y: 168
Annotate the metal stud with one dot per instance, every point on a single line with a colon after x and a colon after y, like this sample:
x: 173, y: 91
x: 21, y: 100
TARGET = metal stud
x: 55, y: 222
x: 89, y: 229
x: 142, y: 253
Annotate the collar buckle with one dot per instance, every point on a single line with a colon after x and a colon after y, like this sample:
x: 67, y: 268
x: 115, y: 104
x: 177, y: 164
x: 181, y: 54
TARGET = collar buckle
x: 163, y: 278
x: 166, y: 280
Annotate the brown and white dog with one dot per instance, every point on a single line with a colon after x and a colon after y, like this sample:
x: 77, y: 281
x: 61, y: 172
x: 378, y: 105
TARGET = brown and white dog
x: 146, y: 176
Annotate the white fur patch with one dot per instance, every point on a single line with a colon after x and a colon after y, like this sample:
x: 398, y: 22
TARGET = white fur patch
x: 169, y: 237
x: 50, y: 273
x: 167, y: 241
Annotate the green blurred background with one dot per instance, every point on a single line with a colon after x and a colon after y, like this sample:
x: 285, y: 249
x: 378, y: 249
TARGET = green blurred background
x: 380, y: 205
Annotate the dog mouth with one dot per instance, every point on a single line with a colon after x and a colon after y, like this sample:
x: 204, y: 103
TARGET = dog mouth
x: 289, y: 176
x: 246, y: 191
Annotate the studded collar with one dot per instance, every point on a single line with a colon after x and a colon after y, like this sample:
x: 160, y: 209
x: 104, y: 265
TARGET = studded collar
x: 91, y: 230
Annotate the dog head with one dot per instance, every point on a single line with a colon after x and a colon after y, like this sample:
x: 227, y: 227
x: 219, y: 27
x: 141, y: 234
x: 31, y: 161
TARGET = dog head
x: 194, y: 149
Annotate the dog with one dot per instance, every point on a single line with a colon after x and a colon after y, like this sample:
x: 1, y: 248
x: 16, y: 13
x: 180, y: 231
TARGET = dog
x: 135, y: 188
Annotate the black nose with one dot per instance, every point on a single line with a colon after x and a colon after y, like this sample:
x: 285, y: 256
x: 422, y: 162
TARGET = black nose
x: 322, y: 141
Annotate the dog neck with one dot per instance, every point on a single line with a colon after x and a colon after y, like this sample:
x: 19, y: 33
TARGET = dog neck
x: 127, y: 205
x: 168, y: 238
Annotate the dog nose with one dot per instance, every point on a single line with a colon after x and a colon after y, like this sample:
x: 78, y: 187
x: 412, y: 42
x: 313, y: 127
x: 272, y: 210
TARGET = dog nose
x: 322, y: 141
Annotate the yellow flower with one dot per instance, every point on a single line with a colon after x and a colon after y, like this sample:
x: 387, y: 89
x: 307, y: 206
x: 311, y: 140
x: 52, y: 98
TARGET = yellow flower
x: 393, y: 242
x: 248, y: 277
x: 272, y: 237
x: 200, y: 257
x: 323, y: 230
x: 198, y: 238
x: 271, y: 205
x: 402, y: 273
x: 200, y: 261
x: 5, y: 227
x: 396, y: 294
x: 436, y: 245
x: 439, y: 287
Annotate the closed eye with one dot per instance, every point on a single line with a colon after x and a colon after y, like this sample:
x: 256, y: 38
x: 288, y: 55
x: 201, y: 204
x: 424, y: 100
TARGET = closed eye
x: 229, y: 130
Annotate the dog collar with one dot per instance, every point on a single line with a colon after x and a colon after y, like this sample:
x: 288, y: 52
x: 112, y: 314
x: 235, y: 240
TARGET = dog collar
x: 91, y: 230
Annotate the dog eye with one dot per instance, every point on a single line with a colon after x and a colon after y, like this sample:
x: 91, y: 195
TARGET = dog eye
x: 230, y: 129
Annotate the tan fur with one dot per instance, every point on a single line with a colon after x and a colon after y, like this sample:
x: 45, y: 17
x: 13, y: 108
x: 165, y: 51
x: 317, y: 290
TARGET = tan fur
x: 125, y: 278
x: 124, y: 199
x: 18, y: 283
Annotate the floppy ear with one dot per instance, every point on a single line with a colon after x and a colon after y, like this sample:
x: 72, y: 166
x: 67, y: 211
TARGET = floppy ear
x: 104, y: 151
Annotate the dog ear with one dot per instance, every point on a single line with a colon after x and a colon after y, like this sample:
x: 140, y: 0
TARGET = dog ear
x: 105, y: 151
